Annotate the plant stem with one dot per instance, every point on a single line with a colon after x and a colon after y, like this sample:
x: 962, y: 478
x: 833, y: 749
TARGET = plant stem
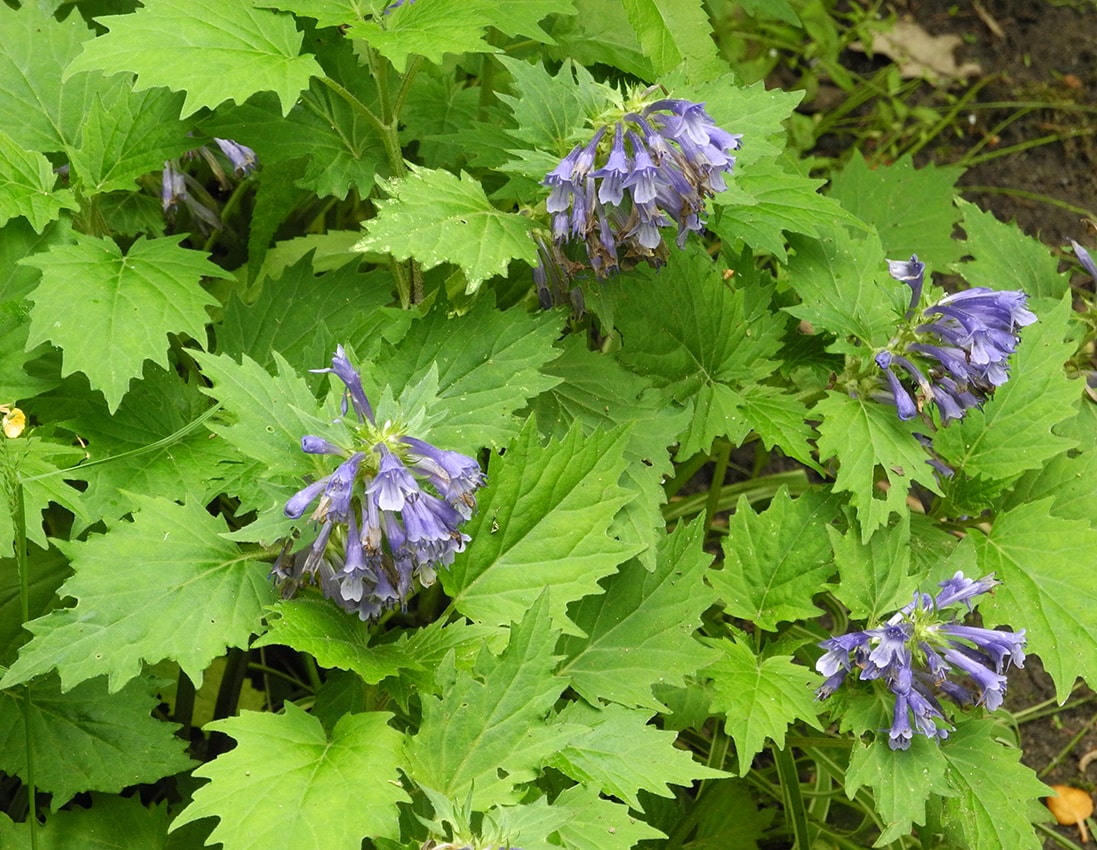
x: 19, y: 521
x: 790, y: 790
x: 719, y: 472
x: 184, y: 703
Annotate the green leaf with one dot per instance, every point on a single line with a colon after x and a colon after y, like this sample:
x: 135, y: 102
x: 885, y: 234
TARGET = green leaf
x: 124, y: 307
x: 764, y: 202
x: 17, y: 241
x: 875, y: 574
x: 522, y: 17
x: 26, y: 186
x: 776, y: 561
x: 781, y: 421
x: 640, y: 632
x: 334, y: 638
x: 1045, y: 566
x: 598, y: 392
x: 527, y: 534
x: 621, y: 754
x: 148, y: 446
x: 94, y: 828
x: 675, y: 31
x: 912, y: 209
x: 46, y: 571
x: 332, y: 143
x: 489, y: 365
x: 600, y: 34
x: 845, y: 290
x: 551, y: 112
x: 880, y: 459
x: 430, y: 30
x: 995, y: 792
x: 760, y: 697
x: 728, y: 814
x: 86, y: 739
x: 437, y: 217
x: 327, y: 13
x: 296, y: 303
x: 901, y: 781
x: 437, y: 109
x: 1013, y: 432
x: 436, y: 645
x: 577, y: 819
x: 1005, y: 258
x: 1069, y: 479
x: 276, y: 788
x: 38, y: 111
x: 486, y: 734
x: 166, y: 585
x: 126, y: 135
x: 219, y: 51
x: 40, y: 463
x: 596, y: 823
x: 777, y: 10
x: 685, y: 329
x: 263, y: 417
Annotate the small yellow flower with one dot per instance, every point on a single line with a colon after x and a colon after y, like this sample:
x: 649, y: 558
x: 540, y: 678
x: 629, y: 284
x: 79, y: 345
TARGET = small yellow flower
x: 14, y: 421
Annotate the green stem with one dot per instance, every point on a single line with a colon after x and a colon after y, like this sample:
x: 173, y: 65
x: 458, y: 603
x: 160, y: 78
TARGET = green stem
x: 159, y: 444
x: 946, y: 120
x: 1024, y: 146
x: 405, y: 86
x: 487, y: 87
x: 354, y: 103
x: 795, y: 813
x: 409, y: 284
x: 184, y: 704
x: 409, y: 279
x: 1030, y: 196
x: 719, y: 472
x: 19, y: 520
x: 232, y: 682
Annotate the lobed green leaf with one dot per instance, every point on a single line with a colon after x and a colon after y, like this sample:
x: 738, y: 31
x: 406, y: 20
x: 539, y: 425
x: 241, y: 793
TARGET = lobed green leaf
x: 204, y: 38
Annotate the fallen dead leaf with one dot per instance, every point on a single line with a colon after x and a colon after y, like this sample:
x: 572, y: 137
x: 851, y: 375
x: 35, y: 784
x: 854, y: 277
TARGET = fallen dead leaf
x: 1072, y: 806
x: 919, y: 54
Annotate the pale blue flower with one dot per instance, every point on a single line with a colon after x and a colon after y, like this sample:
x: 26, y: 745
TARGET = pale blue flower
x: 389, y: 514
x: 661, y: 164
x: 921, y: 651
x: 958, y: 354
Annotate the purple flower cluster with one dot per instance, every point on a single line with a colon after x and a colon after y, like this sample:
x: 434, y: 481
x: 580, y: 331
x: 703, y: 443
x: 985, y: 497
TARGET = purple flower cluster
x: 916, y: 651
x: 650, y: 169
x: 391, y: 511
x: 959, y: 352
x: 174, y: 181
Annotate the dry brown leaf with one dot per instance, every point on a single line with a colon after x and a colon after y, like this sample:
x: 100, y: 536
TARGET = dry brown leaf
x: 919, y: 54
x: 1072, y: 806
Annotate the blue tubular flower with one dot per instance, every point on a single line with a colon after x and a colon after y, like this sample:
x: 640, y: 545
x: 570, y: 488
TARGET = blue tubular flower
x: 917, y: 651
x: 173, y: 187
x: 1085, y: 259
x: 959, y: 354
x: 389, y: 514
x: 393, y: 484
x: 242, y: 157
x: 343, y: 369
x: 455, y: 476
x: 661, y: 164
x: 174, y: 181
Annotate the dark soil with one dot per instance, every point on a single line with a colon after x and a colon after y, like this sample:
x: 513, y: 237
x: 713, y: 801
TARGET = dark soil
x: 1045, y: 52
